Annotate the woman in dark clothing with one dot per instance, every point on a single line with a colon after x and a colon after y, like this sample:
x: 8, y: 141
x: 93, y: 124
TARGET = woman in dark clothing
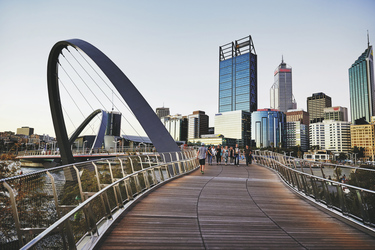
x: 218, y: 154
x: 231, y: 155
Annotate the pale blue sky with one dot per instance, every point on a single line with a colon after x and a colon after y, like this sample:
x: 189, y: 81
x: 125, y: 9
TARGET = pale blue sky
x: 169, y: 49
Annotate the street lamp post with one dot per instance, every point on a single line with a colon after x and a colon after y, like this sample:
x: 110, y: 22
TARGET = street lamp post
x: 83, y: 149
x: 115, y: 146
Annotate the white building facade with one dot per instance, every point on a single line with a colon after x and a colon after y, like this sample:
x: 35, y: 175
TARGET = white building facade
x: 331, y: 135
x: 236, y: 125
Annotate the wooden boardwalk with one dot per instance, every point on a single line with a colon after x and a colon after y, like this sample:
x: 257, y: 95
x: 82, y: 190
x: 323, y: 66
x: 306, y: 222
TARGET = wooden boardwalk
x: 231, y: 207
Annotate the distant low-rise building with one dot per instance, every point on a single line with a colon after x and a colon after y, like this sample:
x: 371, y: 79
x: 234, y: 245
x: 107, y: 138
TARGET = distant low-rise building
x: 216, y: 139
x: 337, y: 113
x: 364, y: 136
x: 177, y: 126
x: 25, y: 131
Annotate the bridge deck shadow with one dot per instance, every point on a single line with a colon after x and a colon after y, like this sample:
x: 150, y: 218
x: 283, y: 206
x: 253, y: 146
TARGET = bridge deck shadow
x: 231, y: 207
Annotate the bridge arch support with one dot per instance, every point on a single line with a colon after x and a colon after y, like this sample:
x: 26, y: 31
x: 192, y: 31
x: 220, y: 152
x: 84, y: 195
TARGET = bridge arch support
x: 152, y: 125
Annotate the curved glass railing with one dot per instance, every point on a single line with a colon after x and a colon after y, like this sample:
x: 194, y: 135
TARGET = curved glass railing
x: 346, y: 189
x: 71, y: 206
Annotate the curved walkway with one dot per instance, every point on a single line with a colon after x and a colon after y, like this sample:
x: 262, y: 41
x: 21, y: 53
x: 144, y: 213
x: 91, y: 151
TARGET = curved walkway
x: 231, y: 207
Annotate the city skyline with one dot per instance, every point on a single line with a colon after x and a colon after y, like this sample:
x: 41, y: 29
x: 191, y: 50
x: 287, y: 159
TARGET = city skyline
x: 169, y: 49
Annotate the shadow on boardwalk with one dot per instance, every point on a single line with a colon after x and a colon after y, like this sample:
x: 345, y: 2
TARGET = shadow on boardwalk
x: 231, y: 207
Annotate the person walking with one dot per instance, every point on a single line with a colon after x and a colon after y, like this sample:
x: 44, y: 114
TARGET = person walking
x: 231, y: 155
x: 218, y: 154
x: 237, y: 154
x: 213, y: 151
x: 247, y: 153
x: 201, y: 155
x: 209, y: 155
x: 226, y: 154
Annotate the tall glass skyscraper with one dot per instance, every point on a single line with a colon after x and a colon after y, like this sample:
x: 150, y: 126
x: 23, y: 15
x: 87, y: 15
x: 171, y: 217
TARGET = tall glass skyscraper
x: 362, y: 88
x: 281, y: 93
x: 238, y: 85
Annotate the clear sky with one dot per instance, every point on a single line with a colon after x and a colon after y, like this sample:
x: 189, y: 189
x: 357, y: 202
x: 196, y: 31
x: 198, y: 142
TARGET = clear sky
x: 169, y: 49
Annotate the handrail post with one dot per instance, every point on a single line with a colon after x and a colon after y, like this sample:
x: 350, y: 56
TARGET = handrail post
x: 105, y: 201
x: 15, y: 212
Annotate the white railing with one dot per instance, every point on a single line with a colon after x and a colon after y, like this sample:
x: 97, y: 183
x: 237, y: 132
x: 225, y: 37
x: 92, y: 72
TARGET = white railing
x: 71, y: 206
x: 346, y: 189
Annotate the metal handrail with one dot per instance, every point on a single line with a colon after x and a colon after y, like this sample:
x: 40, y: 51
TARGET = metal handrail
x: 353, y: 202
x: 101, y: 207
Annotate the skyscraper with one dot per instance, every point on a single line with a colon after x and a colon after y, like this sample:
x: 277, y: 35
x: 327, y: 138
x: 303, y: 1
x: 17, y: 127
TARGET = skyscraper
x: 281, y: 93
x: 362, y: 88
x: 238, y: 85
x: 197, y: 124
x: 161, y: 112
x: 315, y: 106
x: 268, y: 128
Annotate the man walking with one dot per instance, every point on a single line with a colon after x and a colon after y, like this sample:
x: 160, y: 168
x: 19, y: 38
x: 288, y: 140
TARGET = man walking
x: 201, y: 155
x: 248, y: 155
x: 237, y: 155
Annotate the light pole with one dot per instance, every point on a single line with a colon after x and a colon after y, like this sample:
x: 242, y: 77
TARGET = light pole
x: 355, y: 158
x: 83, y: 149
x: 115, y: 146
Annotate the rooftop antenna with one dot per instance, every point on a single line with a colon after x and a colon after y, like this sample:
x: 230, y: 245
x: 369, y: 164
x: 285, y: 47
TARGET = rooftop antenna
x: 368, y: 39
x: 282, y: 58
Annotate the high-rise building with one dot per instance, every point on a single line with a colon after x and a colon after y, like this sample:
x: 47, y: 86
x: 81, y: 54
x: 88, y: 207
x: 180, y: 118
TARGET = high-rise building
x: 238, y: 85
x: 316, y: 134
x: 362, y: 87
x: 267, y: 128
x: 298, y: 115
x: 236, y: 125
x: 281, y: 93
x: 161, y: 112
x: 297, y: 129
x: 177, y: 126
x: 315, y: 106
x: 330, y: 135
x: 337, y: 113
x: 197, y: 124
x: 297, y: 134
x: 25, y: 131
x: 364, y: 136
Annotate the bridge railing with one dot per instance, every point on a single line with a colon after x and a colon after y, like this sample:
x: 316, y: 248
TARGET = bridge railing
x: 346, y: 189
x: 71, y: 206
x: 87, y: 151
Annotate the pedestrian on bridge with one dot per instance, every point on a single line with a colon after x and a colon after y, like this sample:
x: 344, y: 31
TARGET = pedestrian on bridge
x: 218, y: 155
x: 201, y: 155
x: 247, y: 153
x: 237, y: 155
x: 209, y: 155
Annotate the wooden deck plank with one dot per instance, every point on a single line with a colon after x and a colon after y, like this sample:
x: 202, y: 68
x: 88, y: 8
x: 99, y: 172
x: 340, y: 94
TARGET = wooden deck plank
x: 230, y: 208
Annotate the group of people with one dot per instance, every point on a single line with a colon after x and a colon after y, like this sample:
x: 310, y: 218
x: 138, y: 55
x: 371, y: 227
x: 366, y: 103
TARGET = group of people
x: 220, y: 154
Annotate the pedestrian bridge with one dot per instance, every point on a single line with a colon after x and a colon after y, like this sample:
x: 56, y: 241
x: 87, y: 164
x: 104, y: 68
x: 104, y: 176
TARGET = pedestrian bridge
x: 276, y: 202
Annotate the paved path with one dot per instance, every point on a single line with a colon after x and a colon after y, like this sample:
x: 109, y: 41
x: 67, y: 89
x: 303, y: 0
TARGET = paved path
x: 231, y: 208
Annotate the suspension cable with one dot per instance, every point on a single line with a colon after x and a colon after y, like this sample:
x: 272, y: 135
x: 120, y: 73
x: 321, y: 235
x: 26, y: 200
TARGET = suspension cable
x: 113, y: 92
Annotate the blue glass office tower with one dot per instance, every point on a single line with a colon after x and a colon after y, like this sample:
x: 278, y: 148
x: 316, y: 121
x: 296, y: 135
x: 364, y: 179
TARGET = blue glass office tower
x: 268, y: 128
x: 238, y: 84
x: 362, y: 88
